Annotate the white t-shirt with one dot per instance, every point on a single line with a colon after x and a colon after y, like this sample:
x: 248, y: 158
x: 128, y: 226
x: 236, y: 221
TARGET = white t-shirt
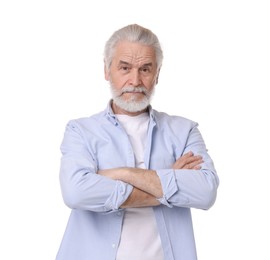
x: 140, y: 239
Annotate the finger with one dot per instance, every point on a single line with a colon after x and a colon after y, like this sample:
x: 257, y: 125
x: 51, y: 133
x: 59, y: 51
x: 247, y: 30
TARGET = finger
x: 184, y: 159
x: 195, y: 164
x: 187, y: 155
x: 193, y: 159
x: 187, y: 163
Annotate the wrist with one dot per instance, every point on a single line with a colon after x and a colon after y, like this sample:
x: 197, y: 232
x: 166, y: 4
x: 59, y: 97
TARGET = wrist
x: 125, y: 174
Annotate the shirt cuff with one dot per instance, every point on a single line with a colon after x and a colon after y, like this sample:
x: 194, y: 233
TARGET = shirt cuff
x: 169, y: 186
x: 119, y: 196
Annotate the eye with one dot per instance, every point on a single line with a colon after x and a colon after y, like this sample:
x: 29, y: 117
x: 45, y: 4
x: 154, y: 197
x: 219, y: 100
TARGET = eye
x: 125, y: 68
x: 145, y: 70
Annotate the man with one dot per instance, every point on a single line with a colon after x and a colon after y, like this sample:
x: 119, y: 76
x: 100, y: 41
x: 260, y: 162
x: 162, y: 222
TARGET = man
x: 131, y: 174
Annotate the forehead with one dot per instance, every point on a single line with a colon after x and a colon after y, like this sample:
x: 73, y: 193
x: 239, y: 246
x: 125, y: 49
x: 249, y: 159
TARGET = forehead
x: 134, y: 53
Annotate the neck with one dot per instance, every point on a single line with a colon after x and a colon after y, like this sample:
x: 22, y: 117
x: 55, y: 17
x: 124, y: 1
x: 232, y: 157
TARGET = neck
x: 117, y: 110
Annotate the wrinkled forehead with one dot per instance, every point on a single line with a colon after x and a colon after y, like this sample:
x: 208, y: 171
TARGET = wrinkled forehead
x: 133, y: 53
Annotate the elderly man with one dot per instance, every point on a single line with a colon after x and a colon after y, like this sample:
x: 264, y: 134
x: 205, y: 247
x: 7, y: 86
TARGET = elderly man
x: 131, y: 174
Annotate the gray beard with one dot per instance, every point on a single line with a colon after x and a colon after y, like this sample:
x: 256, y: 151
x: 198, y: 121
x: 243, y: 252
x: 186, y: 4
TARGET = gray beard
x: 131, y: 105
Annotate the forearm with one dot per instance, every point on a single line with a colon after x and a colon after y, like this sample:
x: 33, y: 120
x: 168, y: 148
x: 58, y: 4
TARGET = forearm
x: 189, y: 188
x: 142, y: 179
x: 139, y: 198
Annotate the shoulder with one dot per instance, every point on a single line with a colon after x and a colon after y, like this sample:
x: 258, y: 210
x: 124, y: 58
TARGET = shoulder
x: 84, y: 123
x: 163, y: 118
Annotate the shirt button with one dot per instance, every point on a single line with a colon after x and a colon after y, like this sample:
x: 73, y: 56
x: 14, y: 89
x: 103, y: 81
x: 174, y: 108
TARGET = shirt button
x: 119, y: 214
x: 113, y: 245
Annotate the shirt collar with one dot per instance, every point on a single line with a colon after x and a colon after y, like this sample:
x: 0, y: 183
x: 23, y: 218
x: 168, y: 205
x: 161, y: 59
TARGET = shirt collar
x: 111, y: 116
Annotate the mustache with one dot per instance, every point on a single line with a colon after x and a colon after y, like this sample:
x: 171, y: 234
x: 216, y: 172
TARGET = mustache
x: 139, y: 89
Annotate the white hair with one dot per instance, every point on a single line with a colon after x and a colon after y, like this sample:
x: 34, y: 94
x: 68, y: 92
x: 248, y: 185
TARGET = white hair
x: 133, y: 33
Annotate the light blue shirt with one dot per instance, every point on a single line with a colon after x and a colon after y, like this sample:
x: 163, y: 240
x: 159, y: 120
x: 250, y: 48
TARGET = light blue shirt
x: 99, y: 142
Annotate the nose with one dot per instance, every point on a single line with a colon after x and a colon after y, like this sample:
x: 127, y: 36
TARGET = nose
x: 134, y: 78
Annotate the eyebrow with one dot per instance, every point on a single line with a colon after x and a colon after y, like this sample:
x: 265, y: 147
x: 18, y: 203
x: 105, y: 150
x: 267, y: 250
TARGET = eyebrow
x: 123, y: 62
x: 150, y: 64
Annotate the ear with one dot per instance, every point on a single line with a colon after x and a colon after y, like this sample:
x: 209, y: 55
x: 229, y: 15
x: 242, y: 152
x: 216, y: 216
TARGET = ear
x: 106, y: 72
x: 157, y: 76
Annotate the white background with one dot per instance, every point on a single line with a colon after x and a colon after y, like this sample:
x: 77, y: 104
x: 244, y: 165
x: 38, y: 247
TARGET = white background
x: 215, y: 71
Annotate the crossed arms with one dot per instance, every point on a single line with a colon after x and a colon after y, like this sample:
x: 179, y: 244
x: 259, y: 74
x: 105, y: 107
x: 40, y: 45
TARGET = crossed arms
x: 187, y: 182
x: 147, y: 187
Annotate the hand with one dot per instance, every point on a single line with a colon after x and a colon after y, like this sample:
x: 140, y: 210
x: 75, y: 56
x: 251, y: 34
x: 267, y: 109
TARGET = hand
x: 188, y: 161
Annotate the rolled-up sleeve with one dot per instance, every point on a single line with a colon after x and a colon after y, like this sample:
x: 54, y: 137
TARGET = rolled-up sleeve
x: 169, y: 185
x: 82, y: 187
x: 187, y: 187
x: 118, y: 196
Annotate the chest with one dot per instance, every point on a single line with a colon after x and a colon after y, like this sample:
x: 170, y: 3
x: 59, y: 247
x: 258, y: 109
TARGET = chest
x: 116, y: 149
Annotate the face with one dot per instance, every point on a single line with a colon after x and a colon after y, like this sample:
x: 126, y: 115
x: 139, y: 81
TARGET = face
x: 132, y: 75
